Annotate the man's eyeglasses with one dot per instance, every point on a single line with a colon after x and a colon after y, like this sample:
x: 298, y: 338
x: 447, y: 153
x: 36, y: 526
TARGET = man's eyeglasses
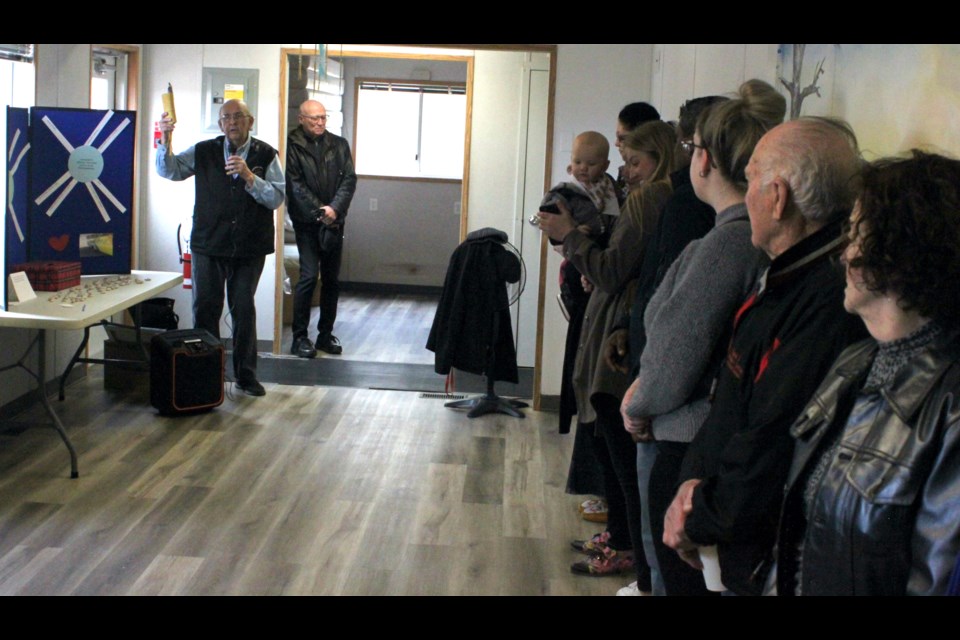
x: 315, y: 118
x: 689, y: 145
x: 233, y: 117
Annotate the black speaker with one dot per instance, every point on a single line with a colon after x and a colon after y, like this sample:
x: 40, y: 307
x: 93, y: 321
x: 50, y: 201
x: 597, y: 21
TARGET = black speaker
x: 186, y: 372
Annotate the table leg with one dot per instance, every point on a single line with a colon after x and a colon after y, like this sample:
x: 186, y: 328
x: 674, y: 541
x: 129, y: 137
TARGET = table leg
x: 73, y: 361
x: 41, y: 391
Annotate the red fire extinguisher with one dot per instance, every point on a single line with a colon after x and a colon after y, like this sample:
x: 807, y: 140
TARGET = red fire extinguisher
x: 185, y: 260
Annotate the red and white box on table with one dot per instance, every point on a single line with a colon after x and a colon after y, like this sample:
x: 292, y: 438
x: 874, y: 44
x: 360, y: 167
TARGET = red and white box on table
x: 50, y: 275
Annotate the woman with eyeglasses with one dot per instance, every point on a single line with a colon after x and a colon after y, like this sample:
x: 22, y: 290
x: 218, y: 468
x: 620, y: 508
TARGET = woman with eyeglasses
x: 688, y: 320
x: 872, y: 501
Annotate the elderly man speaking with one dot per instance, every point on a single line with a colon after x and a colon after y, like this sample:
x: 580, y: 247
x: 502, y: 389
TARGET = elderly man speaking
x: 239, y: 184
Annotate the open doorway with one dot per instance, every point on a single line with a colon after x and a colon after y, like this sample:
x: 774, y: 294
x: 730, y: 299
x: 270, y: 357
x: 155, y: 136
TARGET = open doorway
x: 399, y: 116
x: 509, y: 94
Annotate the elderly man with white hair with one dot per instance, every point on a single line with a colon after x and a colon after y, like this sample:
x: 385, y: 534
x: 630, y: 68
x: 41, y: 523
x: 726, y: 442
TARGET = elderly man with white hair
x: 239, y: 184
x: 786, y: 335
x: 320, y: 185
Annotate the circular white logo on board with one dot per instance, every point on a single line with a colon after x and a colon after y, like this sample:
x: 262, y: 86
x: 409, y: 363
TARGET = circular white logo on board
x: 85, y: 164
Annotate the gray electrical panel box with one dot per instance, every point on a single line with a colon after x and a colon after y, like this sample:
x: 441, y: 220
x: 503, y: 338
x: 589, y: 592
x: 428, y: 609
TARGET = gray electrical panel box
x: 220, y: 85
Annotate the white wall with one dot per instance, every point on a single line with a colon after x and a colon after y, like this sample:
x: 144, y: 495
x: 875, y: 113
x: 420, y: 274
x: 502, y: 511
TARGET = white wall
x: 408, y: 239
x: 63, y: 75
x: 684, y: 71
x: 495, y: 127
x: 594, y: 81
x: 508, y: 136
x: 896, y: 96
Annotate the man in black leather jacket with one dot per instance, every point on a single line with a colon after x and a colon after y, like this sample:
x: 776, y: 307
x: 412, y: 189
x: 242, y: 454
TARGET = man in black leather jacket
x: 320, y: 185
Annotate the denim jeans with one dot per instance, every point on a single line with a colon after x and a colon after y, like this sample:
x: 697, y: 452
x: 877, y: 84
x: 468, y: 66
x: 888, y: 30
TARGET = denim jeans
x: 646, y: 455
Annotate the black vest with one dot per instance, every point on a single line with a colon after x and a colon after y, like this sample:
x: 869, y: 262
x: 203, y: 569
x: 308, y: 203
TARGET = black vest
x: 227, y: 221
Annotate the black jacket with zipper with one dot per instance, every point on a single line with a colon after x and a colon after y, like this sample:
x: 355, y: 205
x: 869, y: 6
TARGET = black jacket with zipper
x: 319, y: 173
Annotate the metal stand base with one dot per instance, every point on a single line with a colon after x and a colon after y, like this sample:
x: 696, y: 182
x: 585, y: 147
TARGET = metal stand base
x: 490, y: 403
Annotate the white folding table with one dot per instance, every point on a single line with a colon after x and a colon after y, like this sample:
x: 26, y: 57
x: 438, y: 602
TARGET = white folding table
x: 92, y: 303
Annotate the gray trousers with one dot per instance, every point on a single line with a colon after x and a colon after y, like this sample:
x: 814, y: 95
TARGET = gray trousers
x: 240, y: 276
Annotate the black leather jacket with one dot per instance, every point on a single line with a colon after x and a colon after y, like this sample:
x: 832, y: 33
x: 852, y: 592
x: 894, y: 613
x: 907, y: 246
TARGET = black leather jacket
x: 886, y: 517
x: 313, y: 183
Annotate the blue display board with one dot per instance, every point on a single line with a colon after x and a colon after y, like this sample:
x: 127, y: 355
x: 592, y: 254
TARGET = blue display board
x: 81, y: 188
x: 18, y: 149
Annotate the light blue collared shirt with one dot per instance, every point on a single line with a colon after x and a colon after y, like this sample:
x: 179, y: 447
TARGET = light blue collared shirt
x: 268, y: 191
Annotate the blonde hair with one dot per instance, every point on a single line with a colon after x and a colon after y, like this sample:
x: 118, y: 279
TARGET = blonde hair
x: 595, y: 141
x: 659, y: 140
x: 729, y: 131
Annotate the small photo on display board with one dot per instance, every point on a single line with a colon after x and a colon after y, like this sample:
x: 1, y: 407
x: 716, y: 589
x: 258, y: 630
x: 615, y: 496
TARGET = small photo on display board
x: 81, y: 188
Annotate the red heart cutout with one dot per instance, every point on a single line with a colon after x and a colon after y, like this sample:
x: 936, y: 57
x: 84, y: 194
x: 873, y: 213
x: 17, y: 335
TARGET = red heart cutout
x: 59, y: 244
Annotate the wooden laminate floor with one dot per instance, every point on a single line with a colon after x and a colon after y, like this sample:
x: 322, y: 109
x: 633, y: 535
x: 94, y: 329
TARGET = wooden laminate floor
x: 374, y: 327
x: 307, y: 491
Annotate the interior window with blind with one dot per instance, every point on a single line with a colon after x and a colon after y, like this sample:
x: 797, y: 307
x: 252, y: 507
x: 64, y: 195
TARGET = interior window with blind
x: 411, y: 130
x: 17, y: 83
x: 108, y: 79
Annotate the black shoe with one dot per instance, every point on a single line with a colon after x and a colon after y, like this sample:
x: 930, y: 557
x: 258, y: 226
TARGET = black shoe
x: 303, y: 348
x: 330, y: 345
x: 252, y: 388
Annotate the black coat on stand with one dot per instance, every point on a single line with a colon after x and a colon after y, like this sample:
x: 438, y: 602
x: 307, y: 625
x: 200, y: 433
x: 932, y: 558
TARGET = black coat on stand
x: 474, y: 294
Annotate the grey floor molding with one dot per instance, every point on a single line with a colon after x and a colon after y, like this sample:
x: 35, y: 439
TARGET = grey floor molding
x: 550, y: 404
x: 331, y: 372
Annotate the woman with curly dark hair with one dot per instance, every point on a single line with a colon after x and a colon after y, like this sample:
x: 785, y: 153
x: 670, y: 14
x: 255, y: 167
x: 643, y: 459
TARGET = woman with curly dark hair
x: 873, y: 498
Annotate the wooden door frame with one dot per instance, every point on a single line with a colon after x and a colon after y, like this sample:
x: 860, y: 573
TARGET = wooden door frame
x: 346, y: 51
x: 133, y: 104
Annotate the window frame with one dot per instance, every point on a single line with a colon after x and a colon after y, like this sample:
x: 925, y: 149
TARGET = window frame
x: 18, y: 52
x: 460, y: 87
x: 131, y: 80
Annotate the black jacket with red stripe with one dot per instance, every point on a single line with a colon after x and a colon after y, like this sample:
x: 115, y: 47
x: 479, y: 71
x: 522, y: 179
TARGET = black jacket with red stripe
x: 786, y: 336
